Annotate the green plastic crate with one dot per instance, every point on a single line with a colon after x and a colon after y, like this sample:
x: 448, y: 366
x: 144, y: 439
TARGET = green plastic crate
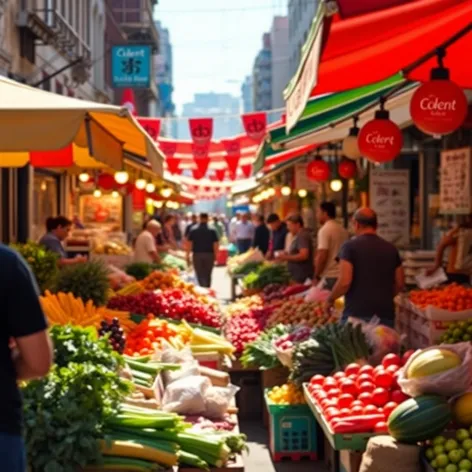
x: 292, y: 432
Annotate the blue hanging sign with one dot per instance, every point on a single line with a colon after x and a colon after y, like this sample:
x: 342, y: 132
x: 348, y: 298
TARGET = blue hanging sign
x: 131, y: 66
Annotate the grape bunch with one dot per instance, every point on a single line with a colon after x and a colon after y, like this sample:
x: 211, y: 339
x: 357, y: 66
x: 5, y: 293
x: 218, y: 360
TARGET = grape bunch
x: 117, y: 336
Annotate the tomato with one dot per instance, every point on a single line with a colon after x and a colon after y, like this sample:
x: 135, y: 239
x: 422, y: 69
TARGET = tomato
x: 383, y: 379
x: 356, y: 403
x: 345, y: 400
x: 349, y: 386
x: 320, y: 394
x: 366, y: 387
x: 317, y: 380
x: 329, y: 383
x: 380, y: 397
x: 326, y: 403
x: 357, y: 410
x: 352, y: 377
x: 392, y: 368
x: 379, y: 368
x: 363, y: 378
x: 331, y: 413
x: 391, y: 359
x: 407, y: 355
x: 398, y: 396
x: 352, y: 369
x: 388, y: 408
x: 366, y: 369
x: 339, y: 375
x: 381, y: 427
x: 345, y: 412
x: 334, y: 393
x: 365, y: 398
x: 370, y: 410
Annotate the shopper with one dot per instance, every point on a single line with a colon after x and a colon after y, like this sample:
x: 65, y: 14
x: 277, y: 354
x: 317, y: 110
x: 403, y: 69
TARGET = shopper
x: 57, y: 230
x: 370, y: 272
x: 261, y: 235
x: 145, y: 248
x: 232, y: 226
x: 218, y: 226
x: 168, y: 232
x: 25, y: 352
x: 203, y: 244
x: 244, y: 233
x: 300, y: 254
x: 459, y: 266
x: 331, y: 236
x: 193, y: 221
x: 278, y: 235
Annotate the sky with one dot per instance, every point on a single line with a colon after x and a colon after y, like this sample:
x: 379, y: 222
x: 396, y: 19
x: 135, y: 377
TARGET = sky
x: 214, y: 42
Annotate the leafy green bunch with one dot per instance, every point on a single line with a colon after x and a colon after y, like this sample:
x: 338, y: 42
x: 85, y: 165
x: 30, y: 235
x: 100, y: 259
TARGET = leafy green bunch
x: 64, y: 412
x: 42, y: 262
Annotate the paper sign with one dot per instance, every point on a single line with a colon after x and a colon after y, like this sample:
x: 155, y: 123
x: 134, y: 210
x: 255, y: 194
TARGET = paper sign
x: 425, y: 282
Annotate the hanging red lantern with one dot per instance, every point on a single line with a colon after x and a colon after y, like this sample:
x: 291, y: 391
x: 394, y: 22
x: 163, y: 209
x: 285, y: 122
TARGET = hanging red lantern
x: 438, y: 107
x: 106, y: 181
x: 318, y: 170
x: 380, y: 140
x: 347, y: 169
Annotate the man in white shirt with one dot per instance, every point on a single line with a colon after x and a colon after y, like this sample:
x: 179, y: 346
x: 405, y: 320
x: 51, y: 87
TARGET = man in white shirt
x: 145, y: 249
x: 331, y: 236
x: 232, y: 227
x: 244, y: 233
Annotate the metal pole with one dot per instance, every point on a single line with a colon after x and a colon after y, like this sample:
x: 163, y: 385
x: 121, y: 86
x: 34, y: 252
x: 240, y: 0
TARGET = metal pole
x: 57, y: 72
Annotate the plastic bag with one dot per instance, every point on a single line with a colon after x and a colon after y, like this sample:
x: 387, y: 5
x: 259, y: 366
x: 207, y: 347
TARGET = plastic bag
x: 285, y: 345
x: 448, y: 383
x: 382, y: 339
x: 186, y: 396
x: 317, y: 294
x: 173, y: 356
x: 218, y: 400
x: 187, y: 369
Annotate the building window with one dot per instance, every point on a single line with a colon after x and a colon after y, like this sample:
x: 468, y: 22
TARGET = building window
x: 59, y: 88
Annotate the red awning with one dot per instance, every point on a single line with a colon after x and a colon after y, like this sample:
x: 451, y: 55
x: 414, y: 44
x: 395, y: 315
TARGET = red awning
x: 372, y: 47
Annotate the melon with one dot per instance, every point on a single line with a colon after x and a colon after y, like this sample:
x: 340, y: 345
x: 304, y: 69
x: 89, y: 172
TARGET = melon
x: 419, y: 419
x: 432, y: 362
x: 462, y: 410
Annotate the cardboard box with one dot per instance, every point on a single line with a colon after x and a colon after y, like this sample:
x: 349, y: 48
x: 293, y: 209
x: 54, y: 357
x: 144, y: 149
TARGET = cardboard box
x: 349, y: 461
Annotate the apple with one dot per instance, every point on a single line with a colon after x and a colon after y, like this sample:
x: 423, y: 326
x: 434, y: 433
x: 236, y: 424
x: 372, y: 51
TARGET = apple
x: 462, y: 434
x: 467, y: 444
x: 455, y: 456
x: 450, y: 468
x: 442, y: 460
x: 451, y: 444
x: 465, y: 464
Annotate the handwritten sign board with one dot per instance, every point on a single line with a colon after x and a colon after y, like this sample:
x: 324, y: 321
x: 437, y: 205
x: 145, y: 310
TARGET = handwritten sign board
x: 301, y: 178
x: 455, y: 182
x: 390, y: 199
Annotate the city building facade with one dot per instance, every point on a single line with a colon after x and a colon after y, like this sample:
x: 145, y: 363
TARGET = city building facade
x: 247, y: 95
x: 300, y: 17
x: 164, y: 78
x: 280, y: 58
x: 262, y: 76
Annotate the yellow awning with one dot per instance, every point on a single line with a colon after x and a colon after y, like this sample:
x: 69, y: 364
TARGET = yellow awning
x: 35, y: 120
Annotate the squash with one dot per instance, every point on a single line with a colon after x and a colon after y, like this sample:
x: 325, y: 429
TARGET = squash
x: 462, y: 410
x: 432, y: 362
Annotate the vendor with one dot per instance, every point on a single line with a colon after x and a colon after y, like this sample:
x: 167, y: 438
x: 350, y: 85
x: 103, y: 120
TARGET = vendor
x: 145, y: 248
x: 370, y: 273
x: 457, y: 271
x: 57, y: 230
x: 261, y: 234
x: 300, y: 254
x: 278, y: 235
x: 168, y: 235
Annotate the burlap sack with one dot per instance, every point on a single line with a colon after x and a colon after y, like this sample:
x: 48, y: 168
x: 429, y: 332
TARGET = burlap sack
x: 384, y: 454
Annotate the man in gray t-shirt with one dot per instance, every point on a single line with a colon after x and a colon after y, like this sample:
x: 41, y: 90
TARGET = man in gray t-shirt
x: 300, y: 254
x: 370, y: 272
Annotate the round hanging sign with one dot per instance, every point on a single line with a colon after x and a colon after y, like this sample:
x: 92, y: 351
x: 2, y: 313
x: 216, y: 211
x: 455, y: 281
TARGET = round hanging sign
x: 438, y: 107
x: 318, y: 171
x: 347, y: 169
x: 380, y: 140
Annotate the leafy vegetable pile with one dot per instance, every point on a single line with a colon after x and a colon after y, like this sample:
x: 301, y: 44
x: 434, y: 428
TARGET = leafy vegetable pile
x: 246, y: 268
x: 42, y: 262
x: 331, y: 347
x: 261, y: 353
x: 64, y: 412
x: 267, y: 274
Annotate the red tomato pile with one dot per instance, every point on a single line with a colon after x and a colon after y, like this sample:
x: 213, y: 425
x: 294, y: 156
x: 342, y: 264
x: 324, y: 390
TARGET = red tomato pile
x: 360, y: 399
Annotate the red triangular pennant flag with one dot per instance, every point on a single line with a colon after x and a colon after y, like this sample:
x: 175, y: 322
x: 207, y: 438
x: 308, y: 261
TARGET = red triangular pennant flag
x: 201, y: 130
x: 173, y: 165
x: 255, y: 125
x: 232, y: 175
x: 202, y: 164
x: 247, y: 170
x: 232, y: 162
x: 152, y: 126
x: 220, y: 174
x: 59, y: 158
x: 232, y: 147
x: 200, y: 151
x: 169, y: 148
